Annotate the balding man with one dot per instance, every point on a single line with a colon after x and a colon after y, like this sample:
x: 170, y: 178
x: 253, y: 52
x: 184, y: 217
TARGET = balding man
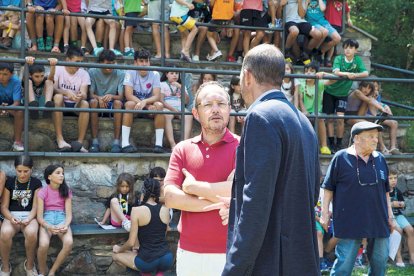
x: 276, y: 186
x: 200, y: 169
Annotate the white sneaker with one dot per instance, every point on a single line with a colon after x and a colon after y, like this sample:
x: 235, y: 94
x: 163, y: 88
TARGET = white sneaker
x: 400, y: 264
x: 279, y: 23
x: 215, y: 56
x: 196, y: 58
x: 32, y: 272
x: 18, y: 146
x: 126, y: 224
x: 240, y: 59
x: 97, y: 51
x: 2, y: 273
x: 271, y: 27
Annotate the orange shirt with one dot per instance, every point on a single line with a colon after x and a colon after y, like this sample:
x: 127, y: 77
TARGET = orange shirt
x: 223, y: 10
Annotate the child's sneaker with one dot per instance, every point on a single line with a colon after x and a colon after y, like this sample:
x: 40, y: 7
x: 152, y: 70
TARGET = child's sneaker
x: 97, y: 51
x: 49, y: 43
x: 196, y: 58
x: 325, y: 150
x: 231, y: 59
x: 34, y: 114
x: 31, y: 272
x: 117, y: 52
x: 129, y: 53
x: 65, y: 48
x: 289, y: 58
x: 323, y: 266
x: 41, y: 44
x: 214, y: 56
x: 279, y: 23
x: 126, y: 224
x: 271, y: 28
x: 304, y: 57
x: 18, y: 146
x: 240, y: 59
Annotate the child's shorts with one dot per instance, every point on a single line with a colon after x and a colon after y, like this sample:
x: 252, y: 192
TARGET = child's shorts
x: 402, y: 221
x: 184, y: 22
x: 132, y: 23
x: 319, y: 228
x: 154, y: 10
x: 54, y: 217
x: 119, y: 224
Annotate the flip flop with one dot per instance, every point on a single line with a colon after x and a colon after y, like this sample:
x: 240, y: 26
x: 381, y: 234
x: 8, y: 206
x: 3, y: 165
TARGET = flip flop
x: 76, y: 146
x: 64, y: 149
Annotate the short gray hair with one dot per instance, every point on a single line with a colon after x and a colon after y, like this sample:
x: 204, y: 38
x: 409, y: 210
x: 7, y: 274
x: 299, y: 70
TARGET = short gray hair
x: 266, y: 63
x: 202, y: 86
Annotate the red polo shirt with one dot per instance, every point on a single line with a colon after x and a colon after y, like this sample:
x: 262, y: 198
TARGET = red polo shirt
x: 202, y: 232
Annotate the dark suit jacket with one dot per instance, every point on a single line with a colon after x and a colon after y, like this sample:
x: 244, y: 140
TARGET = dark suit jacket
x: 276, y: 186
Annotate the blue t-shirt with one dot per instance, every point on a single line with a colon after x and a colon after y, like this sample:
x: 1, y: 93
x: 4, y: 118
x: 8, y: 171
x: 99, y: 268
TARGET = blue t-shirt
x: 11, y: 92
x: 359, y: 203
x: 5, y: 3
x: 314, y: 15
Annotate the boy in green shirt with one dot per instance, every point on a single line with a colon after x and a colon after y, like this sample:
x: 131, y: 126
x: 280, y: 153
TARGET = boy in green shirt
x: 307, y: 93
x: 132, y: 8
x: 349, y: 67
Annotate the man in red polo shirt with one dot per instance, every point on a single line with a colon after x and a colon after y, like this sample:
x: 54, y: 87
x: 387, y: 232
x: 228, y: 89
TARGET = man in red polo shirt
x: 200, y: 169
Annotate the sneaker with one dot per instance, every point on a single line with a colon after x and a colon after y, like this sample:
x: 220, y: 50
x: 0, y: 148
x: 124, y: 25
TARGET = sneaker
x: 97, y: 51
x: 94, y: 148
x: 65, y: 49
x: 129, y: 53
x: 231, y: 59
x: 34, y: 114
x: 289, y: 58
x: 323, y: 266
x: 400, y: 265
x: 48, y: 114
x: 215, y: 56
x: 185, y: 58
x: 196, y: 58
x: 240, y: 59
x: 158, y: 149
x: 395, y: 151
x: 129, y: 149
x: 18, y: 146
x: 2, y: 273
x: 279, y: 23
x: 304, y: 57
x: 32, y: 272
x: 116, y: 148
x: 117, y: 52
x: 325, y: 150
x: 271, y: 28
x: 49, y: 43
x: 40, y: 44
x: 358, y: 262
x: 85, y: 51
x: 126, y: 224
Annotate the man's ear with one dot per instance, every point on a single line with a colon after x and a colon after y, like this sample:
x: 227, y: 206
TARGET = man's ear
x: 195, y: 114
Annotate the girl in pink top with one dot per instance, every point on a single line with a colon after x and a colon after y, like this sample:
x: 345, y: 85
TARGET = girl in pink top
x: 54, y: 214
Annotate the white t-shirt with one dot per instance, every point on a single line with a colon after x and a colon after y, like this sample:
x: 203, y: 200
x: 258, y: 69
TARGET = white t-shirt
x: 142, y: 86
x: 286, y: 88
x: 292, y: 11
x: 178, y: 10
x: 172, y: 95
x: 73, y: 83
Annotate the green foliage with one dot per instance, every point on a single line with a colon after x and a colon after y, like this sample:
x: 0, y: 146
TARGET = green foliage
x: 391, y: 22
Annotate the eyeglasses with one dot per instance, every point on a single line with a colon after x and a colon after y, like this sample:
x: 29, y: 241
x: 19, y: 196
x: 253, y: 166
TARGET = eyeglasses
x: 376, y: 175
x: 209, y: 105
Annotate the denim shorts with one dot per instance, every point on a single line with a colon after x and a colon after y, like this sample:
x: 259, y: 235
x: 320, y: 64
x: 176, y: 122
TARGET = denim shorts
x: 402, y: 221
x: 54, y: 217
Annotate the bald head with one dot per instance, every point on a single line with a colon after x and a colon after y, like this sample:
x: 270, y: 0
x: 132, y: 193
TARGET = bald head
x: 266, y: 63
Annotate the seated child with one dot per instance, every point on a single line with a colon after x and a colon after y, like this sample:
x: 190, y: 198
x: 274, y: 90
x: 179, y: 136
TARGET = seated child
x: 171, y: 99
x: 186, y: 25
x: 71, y: 90
x: 120, y: 203
x: 10, y: 24
x: 40, y: 86
x: 401, y: 222
x: 11, y: 95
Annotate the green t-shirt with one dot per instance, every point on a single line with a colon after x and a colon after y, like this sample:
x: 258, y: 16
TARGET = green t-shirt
x: 132, y: 6
x: 341, y: 88
x: 308, y: 95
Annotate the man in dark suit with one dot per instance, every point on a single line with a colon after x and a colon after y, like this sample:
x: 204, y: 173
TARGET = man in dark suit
x: 276, y: 185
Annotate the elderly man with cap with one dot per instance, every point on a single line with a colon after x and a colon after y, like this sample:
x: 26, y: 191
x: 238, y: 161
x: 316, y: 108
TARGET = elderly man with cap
x: 357, y: 184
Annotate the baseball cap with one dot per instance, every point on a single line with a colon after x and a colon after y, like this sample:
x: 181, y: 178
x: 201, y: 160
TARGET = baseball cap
x: 363, y: 126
